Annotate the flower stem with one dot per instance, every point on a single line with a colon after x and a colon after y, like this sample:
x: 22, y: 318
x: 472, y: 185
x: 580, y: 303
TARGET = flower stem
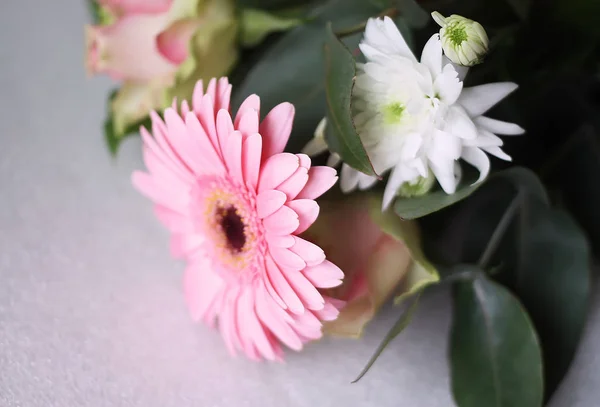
x: 391, y: 12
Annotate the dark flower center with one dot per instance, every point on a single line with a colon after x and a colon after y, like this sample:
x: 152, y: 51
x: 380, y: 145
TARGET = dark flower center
x: 234, y: 229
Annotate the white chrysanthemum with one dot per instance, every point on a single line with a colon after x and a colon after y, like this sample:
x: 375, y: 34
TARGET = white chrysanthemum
x: 464, y: 41
x: 414, y: 116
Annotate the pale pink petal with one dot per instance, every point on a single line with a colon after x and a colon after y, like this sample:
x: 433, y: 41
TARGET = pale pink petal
x: 181, y: 141
x: 183, y: 245
x: 324, y: 275
x: 233, y: 155
x: 161, y: 170
x: 147, y: 186
x: 320, y: 180
x: 304, y: 161
x: 307, y: 211
x: 171, y: 163
x: 283, y: 222
x: 174, y: 221
x: 197, y: 96
x: 285, y: 241
x: 282, y: 287
x: 200, y: 286
x: 201, y: 148
x: 127, y: 49
x: 271, y: 290
x: 269, y: 314
x: 268, y: 202
x: 160, y: 132
x: 277, y: 169
x: 211, y: 90
x: 253, y: 333
x: 329, y: 311
x: 251, y: 154
x: 226, y: 325
x: 287, y: 259
x: 173, y: 43
x: 252, y: 102
x: 224, y: 129
x: 122, y: 7
x: 305, y: 327
x: 309, y: 252
x: 276, y: 128
x: 222, y: 94
x: 206, y: 116
x: 294, y: 184
x: 310, y: 296
x: 248, y: 124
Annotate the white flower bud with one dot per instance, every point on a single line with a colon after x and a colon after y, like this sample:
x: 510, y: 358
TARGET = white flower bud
x: 464, y: 41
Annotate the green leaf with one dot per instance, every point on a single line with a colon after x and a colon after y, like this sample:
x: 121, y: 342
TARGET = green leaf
x: 94, y: 8
x: 413, y: 208
x: 396, y: 330
x: 554, y: 282
x: 257, y: 24
x: 292, y: 69
x: 495, y: 355
x: 341, y: 135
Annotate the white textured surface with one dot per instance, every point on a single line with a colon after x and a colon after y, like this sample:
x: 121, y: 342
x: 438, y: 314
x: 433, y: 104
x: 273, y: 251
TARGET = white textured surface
x: 91, y: 312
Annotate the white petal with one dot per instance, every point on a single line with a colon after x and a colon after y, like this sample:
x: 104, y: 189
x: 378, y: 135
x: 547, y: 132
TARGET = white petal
x: 411, y: 146
x: 384, y: 38
x: 460, y: 124
x: 444, y: 172
x: 315, y: 147
x: 479, y: 99
x: 477, y: 159
x: 444, y: 146
x: 366, y: 181
x: 396, y: 179
x: 432, y: 55
x: 497, y: 152
x: 348, y: 178
x: 499, y: 127
x: 485, y: 139
x: 460, y: 69
x: 447, y: 85
x: 333, y: 160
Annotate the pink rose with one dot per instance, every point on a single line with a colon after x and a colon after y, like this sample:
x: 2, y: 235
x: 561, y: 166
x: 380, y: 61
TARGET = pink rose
x: 157, y: 48
x: 378, y: 262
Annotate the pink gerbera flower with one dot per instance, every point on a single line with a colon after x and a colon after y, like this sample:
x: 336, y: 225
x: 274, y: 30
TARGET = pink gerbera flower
x: 235, y: 204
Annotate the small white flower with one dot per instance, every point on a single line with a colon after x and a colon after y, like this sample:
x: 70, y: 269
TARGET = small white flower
x: 414, y: 117
x: 464, y: 41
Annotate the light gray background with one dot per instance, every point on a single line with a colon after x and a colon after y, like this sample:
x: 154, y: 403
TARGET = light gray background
x: 91, y: 311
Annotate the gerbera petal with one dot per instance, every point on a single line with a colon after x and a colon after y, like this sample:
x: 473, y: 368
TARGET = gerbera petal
x: 176, y: 201
x: 183, y: 245
x: 251, y: 154
x: 224, y: 129
x: 329, y: 311
x: 233, y: 155
x: 498, y: 126
x: 248, y: 123
x: 285, y: 241
x: 223, y: 94
x: 167, y: 159
x: 206, y: 116
x: 307, y: 211
x: 252, y: 102
x: 320, y: 180
x: 324, y: 275
x: 479, y: 99
x: 201, y: 148
x: 432, y: 55
x: 304, y: 160
x: 477, y: 159
x: 226, y: 325
x: 268, y: 202
x: 252, y: 328
x: 269, y: 314
x: 276, y: 129
x: 200, y: 287
x: 282, y: 287
x: 294, y: 184
x: 282, y: 222
x: 276, y: 169
x: 287, y: 259
x: 308, y: 326
x: 309, y: 252
x: 174, y: 221
x: 307, y: 292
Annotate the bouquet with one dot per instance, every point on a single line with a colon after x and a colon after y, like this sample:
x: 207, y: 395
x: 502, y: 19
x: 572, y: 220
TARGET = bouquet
x: 314, y: 160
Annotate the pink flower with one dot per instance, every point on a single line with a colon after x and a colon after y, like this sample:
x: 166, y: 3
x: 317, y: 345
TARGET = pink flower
x: 235, y: 204
x: 375, y: 262
x: 158, y: 49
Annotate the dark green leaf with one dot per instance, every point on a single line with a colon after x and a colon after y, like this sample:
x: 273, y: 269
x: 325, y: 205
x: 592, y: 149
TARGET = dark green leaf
x: 341, y: 135
x: 398, y: 327
x: 553, y: 281
x: 414, y: 15
x: 292, y: 69
x: 494, y: 351
x: 94, y: 8
x: 257, y: 24
x: 413, y: 208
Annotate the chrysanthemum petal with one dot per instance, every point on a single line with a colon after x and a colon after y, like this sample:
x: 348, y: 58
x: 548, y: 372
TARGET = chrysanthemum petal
x: 444, y: 172
x: 460, y: 124
x: 309, y: 252
x: 251, y: 157
x: 276, y: 128
x: 349, y: 180
x: 276, y: 169
x: 320, y: 180
x: 307, y: 211
x: 497, y: 152
x: 477, y: 159
x: 395, y: 180
x: 268, y: 202
x: 498, y: 126
x: 432, y: 55
x: 479, y: 99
